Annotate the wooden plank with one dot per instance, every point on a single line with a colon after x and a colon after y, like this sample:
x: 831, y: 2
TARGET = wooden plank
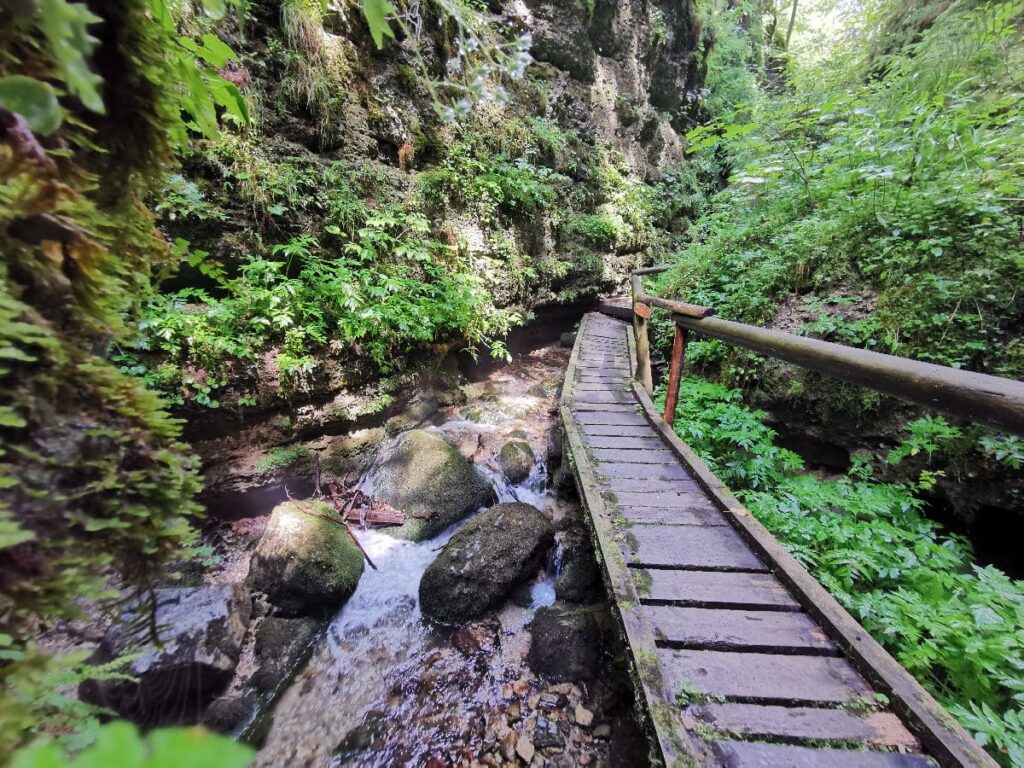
x: 597, y: 418
x: 696, y: 515
x: 644, y: 471
x: 681, y: 497
x: 763, y: 677
x: 654, y: 491
x: 794, y: 724
x: 578, y: 407
x: 630, y: 456
x: 604, y: 386
x: 716, y: 589
x: 739, y: 754
x: 688, y: 546
x: 605, y: 441
x: 616, y: 430
x: 599, y: 398
x: 721, y: 629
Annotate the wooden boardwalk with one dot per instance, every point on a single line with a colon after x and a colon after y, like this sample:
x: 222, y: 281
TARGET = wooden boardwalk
x: 739, y: 656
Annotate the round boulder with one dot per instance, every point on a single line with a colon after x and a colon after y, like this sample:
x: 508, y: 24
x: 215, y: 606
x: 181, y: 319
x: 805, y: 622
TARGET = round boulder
x: 516, y: 459
x: 484, y: 562
x: 305, y: 564
x: 429, y: 480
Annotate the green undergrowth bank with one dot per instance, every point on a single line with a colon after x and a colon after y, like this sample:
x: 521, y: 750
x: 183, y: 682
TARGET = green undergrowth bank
x: 877, y: 200
x: 957, y: 627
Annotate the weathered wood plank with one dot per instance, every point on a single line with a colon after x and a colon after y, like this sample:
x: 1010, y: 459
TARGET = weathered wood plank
x: 739, y: 754
x: 720, y: 629
x: 755, y: 721
x: 598, y: 418
x: 768, y: 678
x: 630, y: 456
x: 604, y: 441
x: 684, y: 492
x: 714, y: 588
x: 687, y: 546
x: 680, y: 496
x: 603, y: 398
x: 617, y: 430
x: 644, y: 471
x: 696, y: 515
x: 579, y: 407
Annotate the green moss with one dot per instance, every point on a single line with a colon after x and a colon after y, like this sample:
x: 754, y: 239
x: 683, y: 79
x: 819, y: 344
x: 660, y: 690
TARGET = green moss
x: 281, y: 457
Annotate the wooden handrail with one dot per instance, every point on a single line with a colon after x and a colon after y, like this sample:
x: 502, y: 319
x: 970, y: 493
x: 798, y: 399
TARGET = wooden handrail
x: 978, y: 397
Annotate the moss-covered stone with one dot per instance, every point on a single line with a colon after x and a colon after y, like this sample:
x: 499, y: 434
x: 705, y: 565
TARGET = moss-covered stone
x: 429, y: 480
x: 516, y: 459
x: 484, y: 562
x: 305, y: 564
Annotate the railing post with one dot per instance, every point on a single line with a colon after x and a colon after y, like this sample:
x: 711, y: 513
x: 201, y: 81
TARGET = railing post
x: 641, y: 313
x: 675, y: 374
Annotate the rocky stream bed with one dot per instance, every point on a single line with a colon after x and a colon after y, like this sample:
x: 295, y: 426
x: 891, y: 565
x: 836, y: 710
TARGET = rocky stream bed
x: 480, y: 636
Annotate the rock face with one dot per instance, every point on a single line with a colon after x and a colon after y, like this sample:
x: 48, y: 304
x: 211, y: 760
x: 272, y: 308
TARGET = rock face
x: 516, y: 459
x: 484, y: 562
x: 429, y: 480
x: 305, y: 565
x: 200, y: 633
x: 282, y: 646
x: 566, y: 642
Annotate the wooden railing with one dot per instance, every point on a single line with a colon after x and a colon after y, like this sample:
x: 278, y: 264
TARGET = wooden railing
x: 977, y: 397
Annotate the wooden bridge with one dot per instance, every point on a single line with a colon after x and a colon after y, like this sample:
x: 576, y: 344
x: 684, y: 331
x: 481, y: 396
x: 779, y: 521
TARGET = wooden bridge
x: 740, y: 657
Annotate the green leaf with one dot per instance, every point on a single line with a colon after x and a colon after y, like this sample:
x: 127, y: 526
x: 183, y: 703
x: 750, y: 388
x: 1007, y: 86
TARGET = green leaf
x: 10, y: 418
x: 376, y: 13
x: 66, y: 28
x: 34, y: 100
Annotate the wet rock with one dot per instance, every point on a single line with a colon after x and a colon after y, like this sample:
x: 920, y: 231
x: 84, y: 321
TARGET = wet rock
x: 525, y: 748
x: 516, y: 459
x: 546, y: 735
x: 550, y: 701
x: 566, y: 642
x: 567, y: 340
x: 430, y: 481
x: 282, y: 646
x: 479, y: 637
x: 484, y: 562
x: 306, y: 565
x: 579, y: 579
x: 200, y: 634
x: 583, y: 716
x: 374, y: 724
x: 228, y: 714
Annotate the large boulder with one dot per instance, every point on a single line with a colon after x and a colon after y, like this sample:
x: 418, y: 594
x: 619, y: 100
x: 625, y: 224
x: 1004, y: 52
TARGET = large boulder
x: 429, y: 480
x: 516, y: 459
x: 484, y: 562
x: 191, y: 658
x: 565, y: 642
x: 306, y: 565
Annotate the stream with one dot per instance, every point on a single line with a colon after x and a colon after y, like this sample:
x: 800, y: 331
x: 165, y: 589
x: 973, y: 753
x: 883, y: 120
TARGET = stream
x: 386, y: 688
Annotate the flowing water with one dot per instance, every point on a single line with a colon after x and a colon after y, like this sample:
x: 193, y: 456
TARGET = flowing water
x: 386, y: 688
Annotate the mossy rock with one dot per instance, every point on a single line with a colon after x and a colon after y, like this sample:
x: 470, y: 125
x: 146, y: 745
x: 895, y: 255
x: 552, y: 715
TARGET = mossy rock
x: 516, y: 459
x: 484, y: 562
x: 429, y: 480
x: 306, y: 565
